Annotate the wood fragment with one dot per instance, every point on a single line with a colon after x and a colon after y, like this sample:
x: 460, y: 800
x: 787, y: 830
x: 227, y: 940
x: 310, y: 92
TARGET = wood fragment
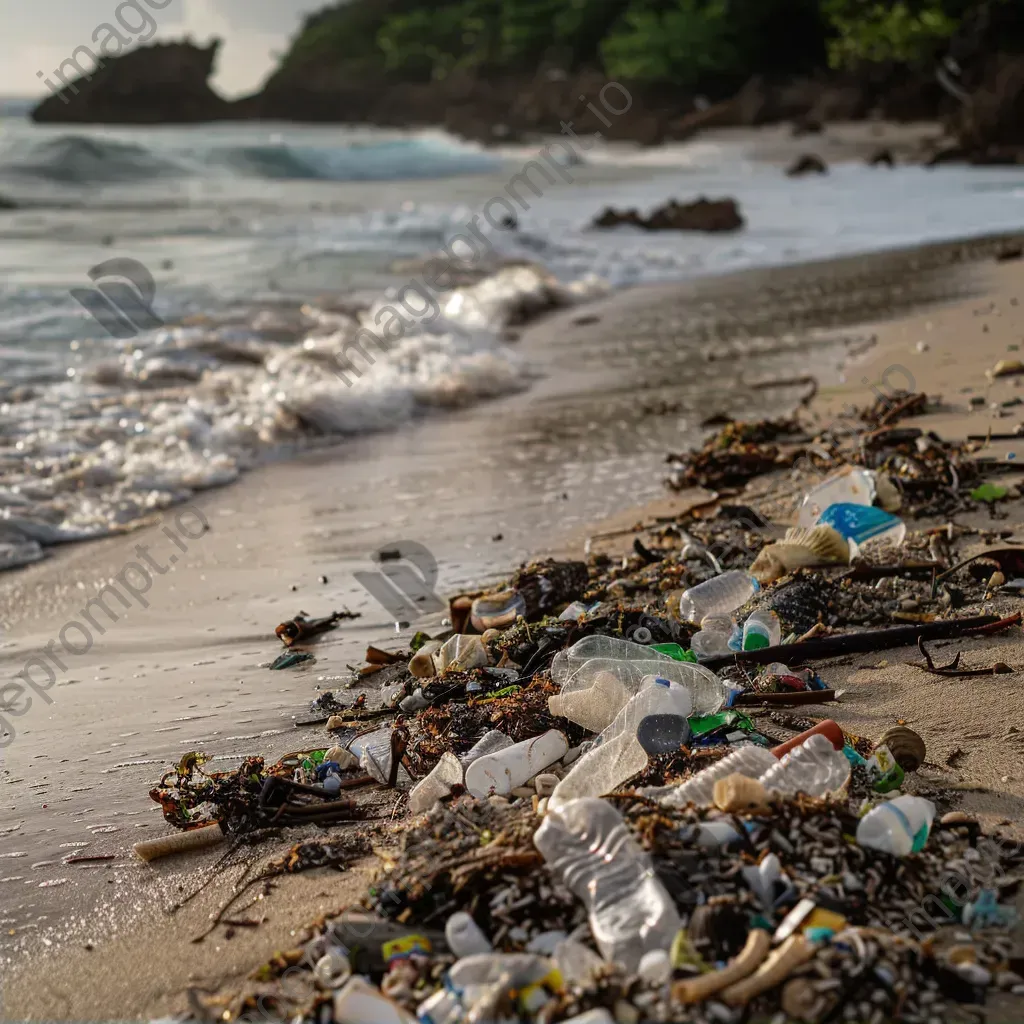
x: 865, y: 642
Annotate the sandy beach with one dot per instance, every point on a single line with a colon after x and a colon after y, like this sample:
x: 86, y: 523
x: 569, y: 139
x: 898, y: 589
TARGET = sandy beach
x: 630, y: 378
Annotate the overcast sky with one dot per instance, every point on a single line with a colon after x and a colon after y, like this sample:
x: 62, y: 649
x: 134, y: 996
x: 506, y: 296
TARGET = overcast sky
x: 36, y: 35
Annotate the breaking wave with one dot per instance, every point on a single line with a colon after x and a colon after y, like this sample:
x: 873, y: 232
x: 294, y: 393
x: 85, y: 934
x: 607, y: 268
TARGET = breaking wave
x: 94, y: 160
x: 190, y: 407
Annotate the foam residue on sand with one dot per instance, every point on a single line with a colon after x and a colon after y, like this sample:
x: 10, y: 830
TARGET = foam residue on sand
x: 189, y: 407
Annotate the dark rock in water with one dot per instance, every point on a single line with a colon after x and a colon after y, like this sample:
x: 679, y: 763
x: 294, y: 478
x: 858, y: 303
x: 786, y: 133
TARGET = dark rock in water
x: 807, y: 125
x: 165, y: 83
x: 7, y: 204
x: 799, y: 602
x: 711, y: 215
x: 882, y: 158
x: 809, y: 163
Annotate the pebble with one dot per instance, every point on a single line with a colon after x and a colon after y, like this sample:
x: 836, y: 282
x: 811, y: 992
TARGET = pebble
x: 522, y: 791
x: 545, y: 784
x: 975, y: 974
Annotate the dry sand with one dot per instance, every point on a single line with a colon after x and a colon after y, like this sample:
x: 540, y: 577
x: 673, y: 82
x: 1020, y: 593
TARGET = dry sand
x: 484, y: 489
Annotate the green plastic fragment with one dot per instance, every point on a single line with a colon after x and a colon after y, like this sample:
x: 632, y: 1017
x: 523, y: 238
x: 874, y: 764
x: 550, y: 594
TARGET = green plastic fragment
x: 675, y: 652
x: 989, y: 492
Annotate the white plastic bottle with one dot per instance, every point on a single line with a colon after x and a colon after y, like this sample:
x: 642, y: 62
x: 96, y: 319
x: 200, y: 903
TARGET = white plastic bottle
x: 464, y: 936
x: 717, y: 596
x: 749, y: 759
x: 500, y: 772
x: 898, y: 826
x: 588, y: 847
x: 815, y: 768
x: 617, y: 753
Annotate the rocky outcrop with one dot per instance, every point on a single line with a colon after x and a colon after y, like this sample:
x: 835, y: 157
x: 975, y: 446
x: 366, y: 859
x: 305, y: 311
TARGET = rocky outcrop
x: 711, y: 215
x: 161, y: 84
x: 990, y: 127
x: 809, y: 163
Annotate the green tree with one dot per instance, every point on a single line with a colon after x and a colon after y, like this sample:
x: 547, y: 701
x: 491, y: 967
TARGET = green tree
x: 681, y: 43
x: 902, y: 33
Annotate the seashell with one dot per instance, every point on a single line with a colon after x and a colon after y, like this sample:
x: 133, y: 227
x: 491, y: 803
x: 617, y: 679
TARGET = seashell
x: 802, y: 548
x: 906, y: 747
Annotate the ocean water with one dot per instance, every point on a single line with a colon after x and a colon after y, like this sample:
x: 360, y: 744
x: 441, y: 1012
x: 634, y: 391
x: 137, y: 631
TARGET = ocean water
x: 269, y: 247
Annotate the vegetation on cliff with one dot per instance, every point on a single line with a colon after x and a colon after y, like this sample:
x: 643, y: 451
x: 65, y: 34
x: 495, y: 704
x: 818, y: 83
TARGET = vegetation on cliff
x: 683, y: 43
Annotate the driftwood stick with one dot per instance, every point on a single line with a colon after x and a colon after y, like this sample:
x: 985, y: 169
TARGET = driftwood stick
x: 865, y: 642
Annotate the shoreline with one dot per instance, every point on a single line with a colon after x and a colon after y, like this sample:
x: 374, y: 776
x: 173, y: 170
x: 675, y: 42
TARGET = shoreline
x: 242, y: 584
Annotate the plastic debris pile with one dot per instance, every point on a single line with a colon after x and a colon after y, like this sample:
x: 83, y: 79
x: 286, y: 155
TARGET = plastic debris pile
x: 611, y: 818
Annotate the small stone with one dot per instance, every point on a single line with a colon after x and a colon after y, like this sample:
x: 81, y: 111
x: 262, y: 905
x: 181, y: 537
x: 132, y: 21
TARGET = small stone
x: 545, y: 784
x: 975, y: 975
x: 522, y: 791
x: 908, y: 604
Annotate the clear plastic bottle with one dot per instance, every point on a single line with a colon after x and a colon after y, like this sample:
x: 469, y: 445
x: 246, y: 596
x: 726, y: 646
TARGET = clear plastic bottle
x: 815, y: 768
x: 568, y: 662
x: 617, y: 753
x: 748, y: 759
x: 717, y: 596
x: 898, y: 826
x: 716, y: 632
x: 588, y: 847
x: 762, y: 629
x: 629, y: 664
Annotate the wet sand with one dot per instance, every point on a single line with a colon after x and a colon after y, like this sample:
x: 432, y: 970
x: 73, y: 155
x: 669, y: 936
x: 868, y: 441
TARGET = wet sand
x: 482, y: 489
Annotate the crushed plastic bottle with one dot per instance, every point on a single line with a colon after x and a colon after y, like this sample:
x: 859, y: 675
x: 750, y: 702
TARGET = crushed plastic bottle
x: 815, y: 768
x: 593, y: 702
x: 748, y: 759
x: 588, y: 847
x: 898, y: 826
x: 850, y: 485
x: 717, y: 596
x: 617, y: 753
x: 446, y: 774
x: 861, y: 523
x: 374, y: 753
x: 762, y: 629
x: 460, y: 653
